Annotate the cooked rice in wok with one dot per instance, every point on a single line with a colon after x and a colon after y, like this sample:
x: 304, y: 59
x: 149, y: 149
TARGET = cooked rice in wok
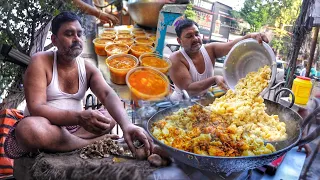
x: 236, y: 126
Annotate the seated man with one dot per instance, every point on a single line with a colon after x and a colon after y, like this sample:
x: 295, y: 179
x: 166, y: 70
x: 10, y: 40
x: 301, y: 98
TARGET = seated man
x: 55, y: 83
x: 192, y: 66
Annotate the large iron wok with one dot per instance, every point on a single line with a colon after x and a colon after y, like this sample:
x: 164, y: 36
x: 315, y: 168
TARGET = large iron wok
x: 217, y: 164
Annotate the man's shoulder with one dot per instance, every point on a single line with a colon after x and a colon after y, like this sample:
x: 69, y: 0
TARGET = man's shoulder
x: 176, y: 56
x: 42, y: 57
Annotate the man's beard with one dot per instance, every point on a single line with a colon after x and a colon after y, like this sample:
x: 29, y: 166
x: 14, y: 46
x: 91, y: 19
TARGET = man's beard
x: 74, y: 51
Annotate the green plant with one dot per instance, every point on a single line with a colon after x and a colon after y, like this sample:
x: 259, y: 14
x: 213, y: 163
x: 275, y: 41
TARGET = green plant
x: 189, y: 13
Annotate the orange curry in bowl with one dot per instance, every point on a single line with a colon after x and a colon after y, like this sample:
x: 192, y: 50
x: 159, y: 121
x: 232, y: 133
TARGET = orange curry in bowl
x: 126, y: 41
x: 124, y: 31
x: 117, y: 48
x: 147, y: 84
x: 128, y: 36
x: 139, y: 49
x: 109, y: 31
x: 144, y: 40
x: 100, y: 44
x: 119, y: 65
x: 107, y: 36
x: 139, y: 34
x: 155, y: 61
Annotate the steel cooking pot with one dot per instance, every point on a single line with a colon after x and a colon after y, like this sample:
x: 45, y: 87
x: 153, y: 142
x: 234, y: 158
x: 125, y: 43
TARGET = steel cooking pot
x: 248, y: 56
x: 218, y: 164
x: 146, y: 12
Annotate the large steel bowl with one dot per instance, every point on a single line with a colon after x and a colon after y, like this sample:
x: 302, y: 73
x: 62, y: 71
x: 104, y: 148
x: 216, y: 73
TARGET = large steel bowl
x: 248, y: 56
x: 145, y: 12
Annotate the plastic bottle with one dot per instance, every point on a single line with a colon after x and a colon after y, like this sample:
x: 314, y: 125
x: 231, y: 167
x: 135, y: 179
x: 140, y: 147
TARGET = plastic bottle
x: 301, y: 89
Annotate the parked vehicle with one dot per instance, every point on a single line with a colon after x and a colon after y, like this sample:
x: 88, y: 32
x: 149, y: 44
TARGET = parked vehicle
x: 218, y: 66
x: 298, y: 70
x: 281, y: 65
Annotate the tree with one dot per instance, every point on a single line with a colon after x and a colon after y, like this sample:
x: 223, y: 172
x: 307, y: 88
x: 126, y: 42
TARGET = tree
x: 23, y: 25
x: 285, y: 13
x: 255, y: 12
x: 276, y: 13
x: 299, y: 33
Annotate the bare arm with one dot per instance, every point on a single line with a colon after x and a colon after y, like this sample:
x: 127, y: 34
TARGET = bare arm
x: 222, y: 49
x: 115, y: 107
x: 86, y: 8
x: 181, y: 77
x: 35, y: 84
x: 107, y: 96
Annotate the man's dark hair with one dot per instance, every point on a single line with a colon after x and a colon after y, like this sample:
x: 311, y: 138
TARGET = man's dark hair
x: 183, y: 24
x: 63, y: 18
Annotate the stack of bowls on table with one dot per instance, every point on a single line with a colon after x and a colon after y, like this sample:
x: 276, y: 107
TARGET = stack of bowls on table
x: 126, y: 49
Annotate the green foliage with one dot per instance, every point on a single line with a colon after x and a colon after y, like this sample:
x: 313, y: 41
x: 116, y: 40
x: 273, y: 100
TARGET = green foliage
x: 255, y: 12
x: 8, y: 72
x: 189, y: 13
x: 20, y: 23
x: 275, y: 13
x: 21, y: 19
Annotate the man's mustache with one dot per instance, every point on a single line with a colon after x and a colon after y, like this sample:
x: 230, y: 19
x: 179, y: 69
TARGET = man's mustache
x: 76, y: 44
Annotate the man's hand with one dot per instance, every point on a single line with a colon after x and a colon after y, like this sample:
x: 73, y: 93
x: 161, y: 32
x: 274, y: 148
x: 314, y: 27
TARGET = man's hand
x: 94, y: 121
x: 220, y: 82
x: 259, y: 37
x: 131, y: 133
x: 108, y: 18
x: 307, y: 149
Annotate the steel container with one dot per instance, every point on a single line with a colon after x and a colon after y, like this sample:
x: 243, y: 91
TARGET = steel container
x: 248, y: 56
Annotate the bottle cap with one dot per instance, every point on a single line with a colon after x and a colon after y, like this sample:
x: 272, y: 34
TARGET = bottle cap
x: 304, y: 78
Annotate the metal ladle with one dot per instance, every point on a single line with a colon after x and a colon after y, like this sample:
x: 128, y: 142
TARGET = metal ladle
x: 187, y: 98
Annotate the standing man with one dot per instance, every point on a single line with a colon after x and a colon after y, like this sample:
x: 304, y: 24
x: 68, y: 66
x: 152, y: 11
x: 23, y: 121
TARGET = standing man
x: 192, y: 66
x: 304, y: 70
x: 86, y: 6
x: 55, y: 83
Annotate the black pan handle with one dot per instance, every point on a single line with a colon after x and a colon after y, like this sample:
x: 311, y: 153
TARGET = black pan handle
x: 284, y: 89
x: 315, y: 115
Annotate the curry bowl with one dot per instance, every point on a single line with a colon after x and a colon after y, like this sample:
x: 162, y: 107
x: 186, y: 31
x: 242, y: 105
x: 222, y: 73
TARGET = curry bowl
x: 147, y: 83
x: 139, y: 49
x: 128, y: 36
x: 107, y: 35
x: 119, y: 65
x: 117, y: 48
x: 144, y: 40
x: 156, y: 61
x: 127, y: 41
x: 100, y: 44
